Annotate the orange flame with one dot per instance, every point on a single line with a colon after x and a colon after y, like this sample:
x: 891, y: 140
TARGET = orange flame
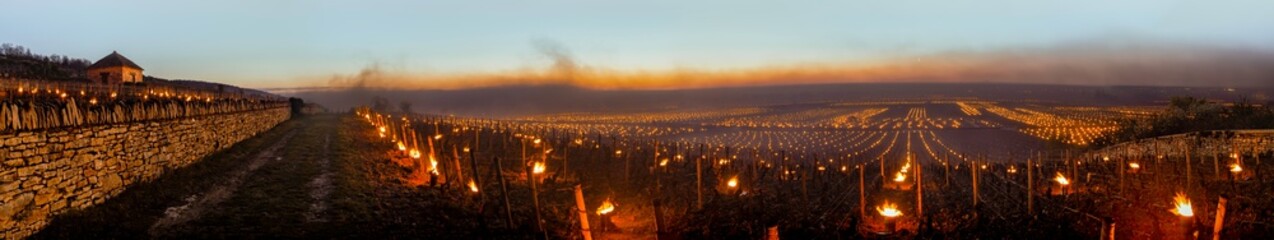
x: 538, y: 168
x: 606, y: 207
x: 899, y: 177
x: 433, y: 165
x: 733, y: 183
x: 1182, y: 206
x: 888, y: 210
x: 1061, y: 179
x: 473, y: 187
x: 414, y: 153
x: 1236, y: 168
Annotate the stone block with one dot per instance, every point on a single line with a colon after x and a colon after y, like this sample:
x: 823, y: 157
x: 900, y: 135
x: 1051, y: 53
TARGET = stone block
x: 10, y: 209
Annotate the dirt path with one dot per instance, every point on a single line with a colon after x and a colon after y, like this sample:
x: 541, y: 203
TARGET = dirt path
x: 321, y: 186
x: 196, y: 205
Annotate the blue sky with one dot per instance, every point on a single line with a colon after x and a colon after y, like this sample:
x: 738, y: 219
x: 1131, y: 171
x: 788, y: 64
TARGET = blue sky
x: 289, y: 43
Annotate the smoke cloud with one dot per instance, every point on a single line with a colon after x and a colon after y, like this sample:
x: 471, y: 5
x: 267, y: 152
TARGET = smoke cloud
x: 1085, y: 63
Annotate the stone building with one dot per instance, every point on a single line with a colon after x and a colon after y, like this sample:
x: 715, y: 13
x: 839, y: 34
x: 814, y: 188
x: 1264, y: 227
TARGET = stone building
x: 115, y: 69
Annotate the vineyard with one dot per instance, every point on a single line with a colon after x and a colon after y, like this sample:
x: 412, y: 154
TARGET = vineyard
x: 924, y: 169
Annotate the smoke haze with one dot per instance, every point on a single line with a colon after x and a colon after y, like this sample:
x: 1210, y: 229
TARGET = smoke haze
x: 1097, y: 72
x: 1090, y: 63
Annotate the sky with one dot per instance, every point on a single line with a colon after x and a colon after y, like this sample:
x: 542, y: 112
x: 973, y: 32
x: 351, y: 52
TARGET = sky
x: 271, y: 44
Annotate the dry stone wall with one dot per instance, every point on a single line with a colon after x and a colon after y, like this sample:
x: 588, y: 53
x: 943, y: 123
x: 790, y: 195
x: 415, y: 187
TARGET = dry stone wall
x: 51, y: 170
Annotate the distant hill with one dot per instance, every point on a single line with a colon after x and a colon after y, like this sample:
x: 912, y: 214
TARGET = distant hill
x: 536, y: 99
x: 17, y: 62
x: 208, y: 86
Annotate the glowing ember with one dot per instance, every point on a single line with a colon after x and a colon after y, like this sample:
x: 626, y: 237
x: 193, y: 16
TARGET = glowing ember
x: 538, y: 168
x: 1105, y: 159
x: 888, y: 210
x: 473, y: 187
x: 663, y: 163
x: 382, y: 129
x: 402, y: 147
x: 439, y: 136
x: 1236, y: 168
x: 899, y: 177
x: 1134, y: 166
x: 1012, y: 169
x: 606, y: 207
x: 536, y: 141
x: 1182, y: 206
x: 1061, y: 179
x: 734, y: 182
x: 414, y: 153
